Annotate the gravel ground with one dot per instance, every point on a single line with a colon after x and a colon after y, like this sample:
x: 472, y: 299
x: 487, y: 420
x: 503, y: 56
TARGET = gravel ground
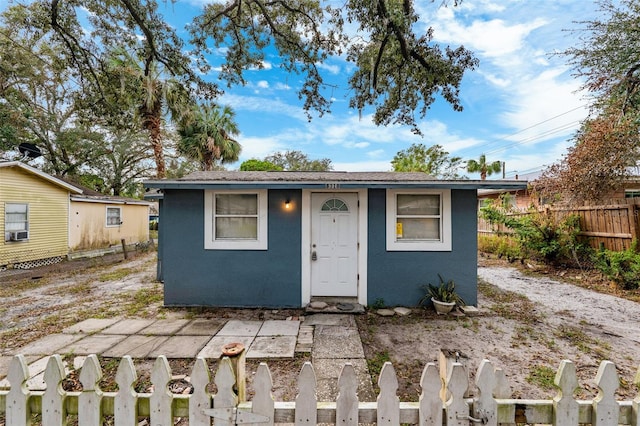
x: 611, y: 315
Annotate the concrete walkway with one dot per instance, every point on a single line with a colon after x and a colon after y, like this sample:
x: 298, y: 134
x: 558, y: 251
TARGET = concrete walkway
x: 333, y: 340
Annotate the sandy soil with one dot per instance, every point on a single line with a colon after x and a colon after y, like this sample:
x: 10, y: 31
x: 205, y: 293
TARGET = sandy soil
x: 527, y: 324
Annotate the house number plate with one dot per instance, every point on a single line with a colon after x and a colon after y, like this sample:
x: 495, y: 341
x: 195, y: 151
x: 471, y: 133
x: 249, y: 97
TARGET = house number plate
x: 333, y: 186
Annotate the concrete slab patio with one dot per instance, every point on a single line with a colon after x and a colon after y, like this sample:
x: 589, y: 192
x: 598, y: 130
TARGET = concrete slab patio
x: 332, y: 340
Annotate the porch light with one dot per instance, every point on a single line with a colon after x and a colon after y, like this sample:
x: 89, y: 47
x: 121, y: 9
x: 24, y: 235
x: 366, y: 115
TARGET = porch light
x: 287, y: 204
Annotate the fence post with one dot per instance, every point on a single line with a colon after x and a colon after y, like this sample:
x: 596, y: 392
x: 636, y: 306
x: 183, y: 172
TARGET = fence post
x: 484, y: 406
x: 633, y: 221
x: 90, y: 400
x: 161, y: 400
x: 565, y: 408
x: 126, y: 400
x: 430, y: 413
x: 347, y: 400
x: 200, y: 400
x: 388, y: 401
x: 605, y: 406
x: 17, y: 409
x: 53, y: 409
x: 225, y: 398
x: 306, y: 412
x: 457, y: 408
x: 263, y: 399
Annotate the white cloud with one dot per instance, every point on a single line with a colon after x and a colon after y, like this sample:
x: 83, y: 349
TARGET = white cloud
x: 282, y: 86
x: 333, y: 69
x: 546, y: 102
x: 262, y: 84
x: 259, y: 147
x: 494, y: 38
x: 262, y: 105
x: 264, y: 66
x: 378, y: 153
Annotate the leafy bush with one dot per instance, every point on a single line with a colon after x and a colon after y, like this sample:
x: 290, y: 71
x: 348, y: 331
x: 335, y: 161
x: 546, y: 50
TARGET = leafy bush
x: 621, y: 267
x: 541, y: 235
x: 502, y: 246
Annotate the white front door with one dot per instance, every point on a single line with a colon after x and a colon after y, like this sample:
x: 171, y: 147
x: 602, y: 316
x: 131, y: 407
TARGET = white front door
x: 334, y: 244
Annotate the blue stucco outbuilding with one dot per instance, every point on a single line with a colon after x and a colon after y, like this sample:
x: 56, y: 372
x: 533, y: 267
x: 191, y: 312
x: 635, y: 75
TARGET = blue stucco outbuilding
x: 280, y: 239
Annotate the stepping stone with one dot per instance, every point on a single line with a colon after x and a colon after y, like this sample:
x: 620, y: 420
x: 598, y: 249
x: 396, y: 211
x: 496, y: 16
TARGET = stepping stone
x: 272, y: 347
x: 164, y: 327
x: 136, y: 346
x: 50, y: 344
x: 213, y: 348
x: 180, y: 347
x: 337, y: 342
x: 91, y: 325
x: 202, y: 327
x: 94, y: 344
x: 324, y: 319
x: 128, y: 326
x: 402, y: 311
x: 240, y: 328
x: 279, y: 328
x: 305, y: 339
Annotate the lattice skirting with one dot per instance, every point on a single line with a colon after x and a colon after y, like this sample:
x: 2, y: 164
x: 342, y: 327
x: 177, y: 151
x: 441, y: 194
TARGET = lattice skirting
x: 39, y: 262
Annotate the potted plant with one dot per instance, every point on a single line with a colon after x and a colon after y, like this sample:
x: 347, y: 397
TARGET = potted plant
x: 443, y: 296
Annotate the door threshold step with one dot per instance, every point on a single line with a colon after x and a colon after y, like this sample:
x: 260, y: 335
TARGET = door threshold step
x: 334, y: 307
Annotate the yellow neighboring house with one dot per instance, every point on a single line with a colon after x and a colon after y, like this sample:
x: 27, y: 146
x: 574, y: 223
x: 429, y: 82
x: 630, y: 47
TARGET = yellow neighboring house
x: 34, y: 216
x: 97, y: 221
x: 43, y: 219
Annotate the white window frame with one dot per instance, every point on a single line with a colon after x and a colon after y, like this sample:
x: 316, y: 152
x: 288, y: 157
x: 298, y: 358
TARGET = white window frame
x: 9, y: 231
x: 444, y: 244
x: 106, y: 217
x: 210, y: 243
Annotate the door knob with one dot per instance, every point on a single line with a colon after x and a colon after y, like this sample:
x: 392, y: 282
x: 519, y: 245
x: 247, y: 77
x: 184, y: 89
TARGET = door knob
x: 314, y: 255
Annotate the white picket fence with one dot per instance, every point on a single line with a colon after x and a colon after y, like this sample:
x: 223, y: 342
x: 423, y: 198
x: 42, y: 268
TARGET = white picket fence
x: 489, y: 406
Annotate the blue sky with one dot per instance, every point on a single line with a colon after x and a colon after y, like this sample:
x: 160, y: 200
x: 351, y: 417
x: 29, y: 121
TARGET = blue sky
x: 521, y: 105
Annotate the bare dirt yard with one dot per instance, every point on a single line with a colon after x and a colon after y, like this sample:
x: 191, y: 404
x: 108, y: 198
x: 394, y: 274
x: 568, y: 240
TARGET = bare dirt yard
x: 530, y: 320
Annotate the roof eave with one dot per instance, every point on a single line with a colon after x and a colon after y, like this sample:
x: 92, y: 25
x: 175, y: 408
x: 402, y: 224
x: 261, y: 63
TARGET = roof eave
x: 337, y: 184
x: 43, y: 175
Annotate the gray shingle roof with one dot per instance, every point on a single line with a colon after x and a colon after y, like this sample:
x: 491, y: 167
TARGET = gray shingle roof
x: 308, y: 176
x: 311, y: 180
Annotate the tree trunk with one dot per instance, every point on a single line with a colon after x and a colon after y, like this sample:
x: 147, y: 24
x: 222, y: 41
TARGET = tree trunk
x: 155, y: 137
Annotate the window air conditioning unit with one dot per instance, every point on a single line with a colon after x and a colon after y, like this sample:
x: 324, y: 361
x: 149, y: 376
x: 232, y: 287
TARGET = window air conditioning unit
x: 19, y: 236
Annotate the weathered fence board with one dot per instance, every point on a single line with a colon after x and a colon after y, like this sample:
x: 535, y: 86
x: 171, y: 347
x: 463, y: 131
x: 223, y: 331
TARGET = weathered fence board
x: 612, y: 226
x: 488, y: 407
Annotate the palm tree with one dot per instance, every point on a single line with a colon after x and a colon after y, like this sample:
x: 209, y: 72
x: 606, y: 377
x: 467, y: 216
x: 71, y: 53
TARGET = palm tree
x: 485, y: 169
x: 154, y: 96
x: 206, y: 136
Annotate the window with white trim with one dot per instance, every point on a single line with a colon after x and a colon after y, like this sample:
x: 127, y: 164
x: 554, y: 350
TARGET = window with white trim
x: 236, y: 220
x: 418, y: 220
x: 16, y: 221
x: 114, y: 216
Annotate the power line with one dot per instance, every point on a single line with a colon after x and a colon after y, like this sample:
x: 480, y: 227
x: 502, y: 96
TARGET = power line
x: 528, y: 139
x: 533, y: 138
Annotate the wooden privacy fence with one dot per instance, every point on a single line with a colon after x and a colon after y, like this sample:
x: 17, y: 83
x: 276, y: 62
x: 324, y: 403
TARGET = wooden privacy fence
x: 612, y: 226
x: 490, y: 405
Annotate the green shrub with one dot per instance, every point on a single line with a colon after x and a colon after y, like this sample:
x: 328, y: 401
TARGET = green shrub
x: 541, y: 235
x: 621, y: 267
x: 503, y: 246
